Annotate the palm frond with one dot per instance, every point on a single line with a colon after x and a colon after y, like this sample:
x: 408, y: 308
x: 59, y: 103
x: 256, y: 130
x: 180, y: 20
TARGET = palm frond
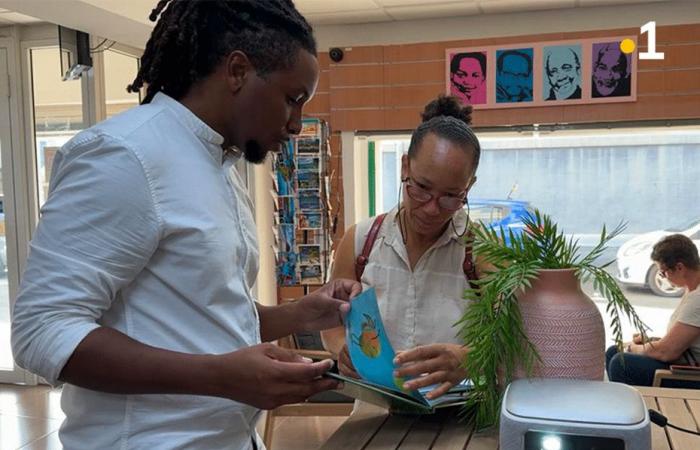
x: 491, y: 326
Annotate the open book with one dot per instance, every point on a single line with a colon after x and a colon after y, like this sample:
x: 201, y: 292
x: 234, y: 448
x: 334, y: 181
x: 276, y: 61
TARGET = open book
x: 373, y: 358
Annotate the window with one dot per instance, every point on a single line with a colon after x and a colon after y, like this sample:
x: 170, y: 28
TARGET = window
x: 388, y: 165
x: 120, y: 70
x: 57, y: 108
x: 584, y: 179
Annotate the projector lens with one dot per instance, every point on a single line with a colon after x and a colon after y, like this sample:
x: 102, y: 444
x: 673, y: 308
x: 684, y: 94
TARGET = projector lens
x: 551, y: 443
x: 548, y: 440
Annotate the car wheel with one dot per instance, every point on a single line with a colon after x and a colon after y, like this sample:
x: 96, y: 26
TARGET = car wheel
x: 660, y: 285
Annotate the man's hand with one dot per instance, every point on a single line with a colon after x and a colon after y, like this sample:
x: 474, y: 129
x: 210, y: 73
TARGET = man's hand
x: 345, y: 366
x: 267, y: 376
x: 432, y: 364
x: 637, y: 339
x: 326, y: 307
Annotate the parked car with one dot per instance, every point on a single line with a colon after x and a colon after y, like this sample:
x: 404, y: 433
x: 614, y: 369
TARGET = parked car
x: 634, y: 264
x: 508, y: 214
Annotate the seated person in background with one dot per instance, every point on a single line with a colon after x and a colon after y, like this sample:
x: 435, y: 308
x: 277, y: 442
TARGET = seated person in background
x: 677, y: 259
x: 417, y: 261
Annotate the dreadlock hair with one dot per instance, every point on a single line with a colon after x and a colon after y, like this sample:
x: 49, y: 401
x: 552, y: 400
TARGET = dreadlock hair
x: 192, y: 36
x: 449, y: 119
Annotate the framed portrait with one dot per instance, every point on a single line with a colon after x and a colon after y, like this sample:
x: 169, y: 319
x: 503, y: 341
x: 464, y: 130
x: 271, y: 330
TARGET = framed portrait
x: 611, y: 71
x: 514, y: 75
x: 562, y: 72
x: 468, y: 76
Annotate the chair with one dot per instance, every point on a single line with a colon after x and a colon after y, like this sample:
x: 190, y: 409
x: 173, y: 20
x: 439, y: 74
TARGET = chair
x: 665, y: 374
x: 324, y: 404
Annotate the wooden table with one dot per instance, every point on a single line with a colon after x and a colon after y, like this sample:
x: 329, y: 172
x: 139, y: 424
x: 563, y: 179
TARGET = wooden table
x: 372, y: 428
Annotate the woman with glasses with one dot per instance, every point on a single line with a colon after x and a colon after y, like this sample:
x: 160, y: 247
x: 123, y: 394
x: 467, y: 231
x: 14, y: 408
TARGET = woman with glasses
x: 415, y: 256
x: 676, y: 257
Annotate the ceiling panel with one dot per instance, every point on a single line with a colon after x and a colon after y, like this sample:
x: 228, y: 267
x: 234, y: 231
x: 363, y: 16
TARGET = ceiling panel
x: 509, y: 6
x: 390, y: 3
x: 589, y: 3
x: 378, y: 15
x: 432, y: 11
x: 308, y: 7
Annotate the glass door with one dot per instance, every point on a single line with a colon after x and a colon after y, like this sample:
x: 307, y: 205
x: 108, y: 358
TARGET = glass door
x: 8, y: 247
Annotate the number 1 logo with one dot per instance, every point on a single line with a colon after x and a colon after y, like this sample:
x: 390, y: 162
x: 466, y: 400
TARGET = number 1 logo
x: 651, y: 53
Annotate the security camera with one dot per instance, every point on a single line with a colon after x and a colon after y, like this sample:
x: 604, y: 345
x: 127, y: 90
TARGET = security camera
x: 336, y: 54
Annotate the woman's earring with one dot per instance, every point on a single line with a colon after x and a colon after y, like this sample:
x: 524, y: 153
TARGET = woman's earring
x: 466, y: 226
x: 398, y: 211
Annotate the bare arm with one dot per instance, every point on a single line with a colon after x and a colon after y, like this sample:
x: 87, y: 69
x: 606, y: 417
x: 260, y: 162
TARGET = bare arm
x: 670, y: 347
x: 343, y: 267
x: 127, y: 366
x: 264, y: 375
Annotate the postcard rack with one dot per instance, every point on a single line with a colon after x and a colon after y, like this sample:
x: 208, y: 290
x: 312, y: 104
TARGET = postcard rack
x: 300, y: 192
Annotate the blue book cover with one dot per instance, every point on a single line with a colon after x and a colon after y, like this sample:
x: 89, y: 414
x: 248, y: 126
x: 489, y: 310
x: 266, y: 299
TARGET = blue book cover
x: 373, y: 357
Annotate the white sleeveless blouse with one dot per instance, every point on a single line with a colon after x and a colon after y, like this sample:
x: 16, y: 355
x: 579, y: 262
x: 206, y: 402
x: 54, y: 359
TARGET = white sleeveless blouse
x: 418, y: 307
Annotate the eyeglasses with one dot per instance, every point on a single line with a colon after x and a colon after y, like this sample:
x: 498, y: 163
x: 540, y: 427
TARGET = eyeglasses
x: 448, y: 202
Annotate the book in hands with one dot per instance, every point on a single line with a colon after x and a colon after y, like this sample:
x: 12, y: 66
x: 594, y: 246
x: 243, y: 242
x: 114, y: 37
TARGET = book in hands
x: 373, y: 357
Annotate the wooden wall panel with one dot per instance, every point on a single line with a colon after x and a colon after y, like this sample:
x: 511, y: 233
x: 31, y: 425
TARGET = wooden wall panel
x: 422, y: 72
x: 650, y: 82
x: 358, y: 97
x: 676, y: 56
x: 416, y: 96
x: 680, y: 81
x: 678, y: 34
x: 682, y: 107
x: 357, y: 75
x: 319, y: 104
x: 358, y: 119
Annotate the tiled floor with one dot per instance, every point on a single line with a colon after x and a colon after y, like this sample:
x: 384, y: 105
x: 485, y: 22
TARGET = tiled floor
x: 30, y: 418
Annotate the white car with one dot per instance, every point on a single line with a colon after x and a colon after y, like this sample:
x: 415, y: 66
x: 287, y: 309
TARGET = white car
x: 634, y: 264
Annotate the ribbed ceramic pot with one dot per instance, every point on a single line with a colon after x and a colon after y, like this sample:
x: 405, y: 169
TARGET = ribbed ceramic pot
x: 565, y: 327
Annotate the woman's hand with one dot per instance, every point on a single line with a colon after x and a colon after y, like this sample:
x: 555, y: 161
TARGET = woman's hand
x: 345, y: 366
x: 439, y: 364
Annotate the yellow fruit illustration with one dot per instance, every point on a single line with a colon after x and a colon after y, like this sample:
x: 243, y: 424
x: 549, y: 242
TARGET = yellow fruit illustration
x: 368, y: 340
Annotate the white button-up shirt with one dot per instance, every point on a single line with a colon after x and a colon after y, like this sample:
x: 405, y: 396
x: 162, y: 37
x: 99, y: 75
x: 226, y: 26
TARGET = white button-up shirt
x: 147, y: 229
x: 419, y: 306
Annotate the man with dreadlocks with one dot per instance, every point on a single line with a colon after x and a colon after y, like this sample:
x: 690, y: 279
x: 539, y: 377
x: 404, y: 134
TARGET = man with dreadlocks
x: 137, y: 289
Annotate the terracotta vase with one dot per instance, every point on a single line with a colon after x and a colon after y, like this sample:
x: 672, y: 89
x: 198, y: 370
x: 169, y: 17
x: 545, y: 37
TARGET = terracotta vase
x: 565, y: 327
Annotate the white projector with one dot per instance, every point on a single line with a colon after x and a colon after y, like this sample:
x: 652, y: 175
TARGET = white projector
x: 560, y: 414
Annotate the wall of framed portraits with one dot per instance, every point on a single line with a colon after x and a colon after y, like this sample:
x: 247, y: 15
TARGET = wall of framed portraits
x: 527, y: 74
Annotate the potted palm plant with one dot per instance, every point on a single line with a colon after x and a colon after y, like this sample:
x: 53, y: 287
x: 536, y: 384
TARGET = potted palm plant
x: 528, y: 315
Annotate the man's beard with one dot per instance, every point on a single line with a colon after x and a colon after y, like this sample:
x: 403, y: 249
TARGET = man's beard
x: 254, y: 153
